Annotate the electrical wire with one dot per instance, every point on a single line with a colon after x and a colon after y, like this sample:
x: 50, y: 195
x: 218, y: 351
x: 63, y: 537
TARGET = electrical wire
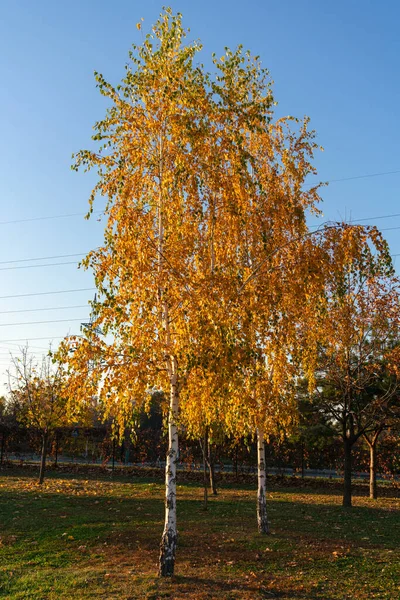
x: 359, y: 177
x: 73, y: 262
x: 375, y: 218
x: 53, y: 337
x: 49, y: 293
x: 49, y: 217
x: 101, y: 212
x: 389, y: 228
x: 23, y: 310
x: 7, y: 354
x: 352, y: 221
x: 40, y: 322
x: 6, y: 262
x: 14, y: 344
x: 76, y: 264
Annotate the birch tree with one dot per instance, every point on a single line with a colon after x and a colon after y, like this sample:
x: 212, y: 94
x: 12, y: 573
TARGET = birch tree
x: 175, y: 179
x: 284, y: 332
x: 201, y: 267
x: 254, y: 392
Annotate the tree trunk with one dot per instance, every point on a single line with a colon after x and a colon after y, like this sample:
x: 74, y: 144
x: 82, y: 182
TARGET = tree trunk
x: 43, y: 458
x: 170, y: 534
x: 211, y: 468
x: 113, y: 456
x: 347, y: 473
x: 263, y: 526
x: 373, y: 490
x: 205, y: 440
x: 56, y: 451
x: 3, y: 443
x: 236, y: 462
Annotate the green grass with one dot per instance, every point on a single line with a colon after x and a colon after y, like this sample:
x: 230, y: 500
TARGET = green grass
x: 88, y: 538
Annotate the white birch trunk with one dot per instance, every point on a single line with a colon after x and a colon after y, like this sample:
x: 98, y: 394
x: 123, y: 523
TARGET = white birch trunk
x: 170, y: 534
x: 262, y: 519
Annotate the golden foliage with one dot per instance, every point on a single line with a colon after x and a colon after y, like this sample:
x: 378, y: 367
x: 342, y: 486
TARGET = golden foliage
x: 210, y: 282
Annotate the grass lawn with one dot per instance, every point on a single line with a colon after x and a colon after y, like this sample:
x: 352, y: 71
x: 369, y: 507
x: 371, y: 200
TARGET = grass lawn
x: 84, y: 538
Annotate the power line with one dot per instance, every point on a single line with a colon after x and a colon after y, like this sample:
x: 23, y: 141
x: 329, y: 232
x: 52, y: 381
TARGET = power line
x: 102, y: 212
x: 393, y: 215
x: 6, y: 262
x: 356, y: 177
x: 57, y: 264
x: 375, y: 218
x: 13, y: 344
x: 7, y: 354
x: 364, y: 176
x: 359, y: 220
x: 49, y: 293
x: 73, y: 262
x: 389, y: 228
x: 46, y: 218
x: 23, y: 310
x: 54, y: 337
x: 40, y: 322
x: 4, y: 361
x: 85, y: 290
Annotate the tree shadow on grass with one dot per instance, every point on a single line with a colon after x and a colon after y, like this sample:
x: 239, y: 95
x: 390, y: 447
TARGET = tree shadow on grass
x: 191, y: 586
x: 334, y: 488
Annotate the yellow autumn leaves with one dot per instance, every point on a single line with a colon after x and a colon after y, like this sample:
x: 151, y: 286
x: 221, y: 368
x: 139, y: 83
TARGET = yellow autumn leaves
x: 207, y: 260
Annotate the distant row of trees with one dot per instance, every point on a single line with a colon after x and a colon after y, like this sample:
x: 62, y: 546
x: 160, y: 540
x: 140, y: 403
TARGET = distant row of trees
x: 317, y: 442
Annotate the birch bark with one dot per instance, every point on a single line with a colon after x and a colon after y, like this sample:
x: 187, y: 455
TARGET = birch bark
x: 262, y: 519
x: 211, y: 468
x: 170, y: 534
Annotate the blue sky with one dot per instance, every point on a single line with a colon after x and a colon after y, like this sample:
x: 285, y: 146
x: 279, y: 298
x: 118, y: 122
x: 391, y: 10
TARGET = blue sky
x: 337, y: 62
